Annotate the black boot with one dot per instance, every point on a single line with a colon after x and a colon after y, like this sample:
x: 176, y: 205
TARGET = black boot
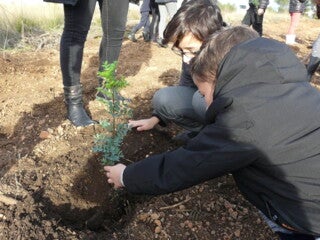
x: 76, y: 113
x: 312, y: 66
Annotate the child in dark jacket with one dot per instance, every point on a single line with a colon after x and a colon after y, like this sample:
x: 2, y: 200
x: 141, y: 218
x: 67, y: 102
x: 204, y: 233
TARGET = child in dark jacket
x: 255, y: 13
x: 262, y: 127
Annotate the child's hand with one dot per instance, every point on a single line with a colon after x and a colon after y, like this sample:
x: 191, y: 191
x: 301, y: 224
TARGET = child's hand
x: 114, y: 174
x: 144, y: 124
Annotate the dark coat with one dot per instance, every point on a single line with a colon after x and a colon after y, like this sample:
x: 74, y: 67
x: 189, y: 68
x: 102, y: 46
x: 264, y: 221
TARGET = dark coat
x: 297, y: 6
x: 69, y: 2
x: 259, y: 3
x: 165, y: 1
x: 263, y: 127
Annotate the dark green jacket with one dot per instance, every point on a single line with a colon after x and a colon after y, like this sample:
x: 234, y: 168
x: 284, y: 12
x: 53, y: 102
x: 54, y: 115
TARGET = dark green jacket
x: 259, y: 3
x: 263, y: 127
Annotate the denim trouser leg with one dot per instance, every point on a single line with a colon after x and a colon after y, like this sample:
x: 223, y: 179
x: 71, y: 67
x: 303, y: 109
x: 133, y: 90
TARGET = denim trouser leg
x: 144, y: 22
x: 113, y: 21
x: 285, y: 234
x: 77, y: 20
x: 177, y: 104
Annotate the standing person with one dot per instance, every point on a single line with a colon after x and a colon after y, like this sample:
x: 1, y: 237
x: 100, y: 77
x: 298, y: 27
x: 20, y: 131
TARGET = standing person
x: 167, y: 8
x: 182, y: 104
x: 147, y: 7
x: 77, y: 20
x: 296, y: 8
x: 314, y: 60
x: 155, y: 18
x: 255, y: 13
x: 263, y: 128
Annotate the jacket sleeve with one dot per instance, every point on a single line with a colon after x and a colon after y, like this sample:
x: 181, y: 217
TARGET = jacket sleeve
x: 208, y: 155
x: 185, y: 78
x: 263, y: 4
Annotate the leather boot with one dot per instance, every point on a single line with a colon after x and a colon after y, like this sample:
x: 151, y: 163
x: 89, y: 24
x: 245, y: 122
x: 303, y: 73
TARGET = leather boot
x: 76, y: 113
x: 312, y: 66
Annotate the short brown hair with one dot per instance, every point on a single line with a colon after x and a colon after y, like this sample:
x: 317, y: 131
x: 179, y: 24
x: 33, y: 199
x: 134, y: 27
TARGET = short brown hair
x: 205, y: 64
x: 198, y: 17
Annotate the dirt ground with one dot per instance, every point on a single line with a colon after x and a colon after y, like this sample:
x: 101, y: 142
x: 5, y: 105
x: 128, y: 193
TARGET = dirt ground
x: 51, y: 183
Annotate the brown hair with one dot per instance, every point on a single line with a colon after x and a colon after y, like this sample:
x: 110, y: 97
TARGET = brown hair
x: 205, y: 64
x: 198, y: 17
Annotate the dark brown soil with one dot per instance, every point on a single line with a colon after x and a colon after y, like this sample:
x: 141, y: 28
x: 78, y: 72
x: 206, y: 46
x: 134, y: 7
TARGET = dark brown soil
x: 51, y: 183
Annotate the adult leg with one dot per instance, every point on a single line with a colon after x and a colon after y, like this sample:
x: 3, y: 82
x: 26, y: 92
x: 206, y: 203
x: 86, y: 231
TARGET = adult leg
x: 171, y: 9
x: 163, y: 19
x: 175, y: 104
x: 144, y: 22
x: 154, y: 25
x: 77, y: 20
x: 294, y: 21
x: 113, y: 20
x: 146, y: 26
x: 257, y: 24
x: 314, y: 59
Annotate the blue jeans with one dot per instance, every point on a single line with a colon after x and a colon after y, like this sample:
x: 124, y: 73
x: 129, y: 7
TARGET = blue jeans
x: 77, y: 21
x: 182, y: 105
x: 286, y: 234
x: 144, y: 22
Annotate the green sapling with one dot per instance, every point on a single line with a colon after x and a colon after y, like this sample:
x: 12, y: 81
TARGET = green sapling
x: 109, y: 142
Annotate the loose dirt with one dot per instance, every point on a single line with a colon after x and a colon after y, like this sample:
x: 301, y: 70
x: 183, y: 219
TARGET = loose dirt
x: 51, y: 183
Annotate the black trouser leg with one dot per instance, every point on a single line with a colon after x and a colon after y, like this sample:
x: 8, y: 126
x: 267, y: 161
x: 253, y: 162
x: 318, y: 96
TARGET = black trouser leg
x: 312, y: 66
x: 257, y: 24
x: 77, y: 20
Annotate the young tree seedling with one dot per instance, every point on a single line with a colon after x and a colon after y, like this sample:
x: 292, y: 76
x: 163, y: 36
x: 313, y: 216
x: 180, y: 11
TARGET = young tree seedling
x: 109, y: 142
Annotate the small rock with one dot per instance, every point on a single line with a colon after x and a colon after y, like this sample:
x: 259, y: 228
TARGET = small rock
x: 29, y: 127
x: 45, y: 135
x: 237, y: 233
x: 154, y: 216
x: 2, y: 217
x: 157, y: 229
x: 157, y: 222
x: 182, y: 207
x: 143, y: 217
x: 60, y: 130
